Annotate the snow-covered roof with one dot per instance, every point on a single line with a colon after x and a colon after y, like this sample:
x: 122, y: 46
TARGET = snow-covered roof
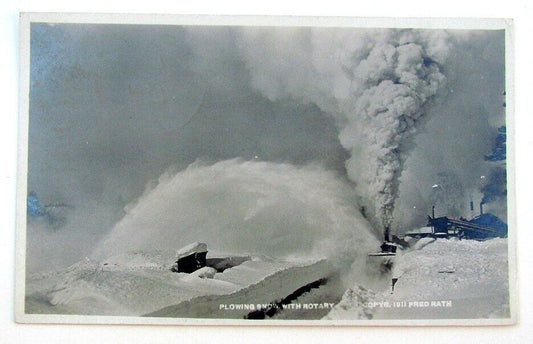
x: 195, y: 247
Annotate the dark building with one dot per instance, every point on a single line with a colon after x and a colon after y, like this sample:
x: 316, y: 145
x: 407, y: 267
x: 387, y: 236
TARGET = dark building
x: 481, y: 227
x: 190, y: 263
x: 190, y: 258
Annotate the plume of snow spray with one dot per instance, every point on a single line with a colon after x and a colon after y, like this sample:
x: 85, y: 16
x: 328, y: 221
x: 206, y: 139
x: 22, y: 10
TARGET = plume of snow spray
x: 375, y: 82
x: 245, y: 207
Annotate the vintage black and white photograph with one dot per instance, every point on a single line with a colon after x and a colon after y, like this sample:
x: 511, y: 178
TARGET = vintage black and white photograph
x: 265, y: 172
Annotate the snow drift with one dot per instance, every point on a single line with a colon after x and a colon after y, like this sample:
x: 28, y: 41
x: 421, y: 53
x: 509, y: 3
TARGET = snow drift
x: 472, y: 274
x: 437, y: 279
x: 138, y: 283
x: 246, y: 207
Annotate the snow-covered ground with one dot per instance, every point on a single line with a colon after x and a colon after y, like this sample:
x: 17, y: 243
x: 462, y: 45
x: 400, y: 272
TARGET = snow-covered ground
x: 253, y: 297
x: 139, y: 283
x: 437, y: 279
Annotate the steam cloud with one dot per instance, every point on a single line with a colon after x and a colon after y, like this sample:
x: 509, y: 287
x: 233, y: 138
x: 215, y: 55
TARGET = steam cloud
x: 376, y: 84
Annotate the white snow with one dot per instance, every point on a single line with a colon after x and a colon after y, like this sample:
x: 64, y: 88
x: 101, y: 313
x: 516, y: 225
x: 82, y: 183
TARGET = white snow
x: 273, y: 287
x: 195, y: 247
x: 205, y: 272
x: 139, y: 283
x: 422, y: 230
x: 421, y: 243
x: 244, y: 208
x: 437, y: 279
x: 353, y: 305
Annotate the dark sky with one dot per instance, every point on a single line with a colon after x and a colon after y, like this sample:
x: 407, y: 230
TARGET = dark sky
x: 113, y: 106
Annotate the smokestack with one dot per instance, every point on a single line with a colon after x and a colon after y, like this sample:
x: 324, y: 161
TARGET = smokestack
x: 433, y: 212
x: 471, y: 205
x: 387, y: 234
x: 481, y: 208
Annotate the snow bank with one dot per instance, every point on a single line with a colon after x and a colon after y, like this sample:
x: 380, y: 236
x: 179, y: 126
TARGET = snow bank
x: 353, y: 305
x: 269, y: 289
x: 440, y: 279
x: 205, y: 272
x: 420, y: 244
x: 139, y: 283
x: 479, y: 268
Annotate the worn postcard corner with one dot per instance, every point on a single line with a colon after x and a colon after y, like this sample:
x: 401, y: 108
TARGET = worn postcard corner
x: 264, y: 170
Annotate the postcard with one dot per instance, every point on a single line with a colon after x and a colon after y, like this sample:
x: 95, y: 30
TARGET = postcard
x: 265, y: 170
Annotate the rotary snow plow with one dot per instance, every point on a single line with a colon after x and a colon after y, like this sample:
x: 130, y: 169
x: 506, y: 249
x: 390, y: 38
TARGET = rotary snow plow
x: 384, y: 259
